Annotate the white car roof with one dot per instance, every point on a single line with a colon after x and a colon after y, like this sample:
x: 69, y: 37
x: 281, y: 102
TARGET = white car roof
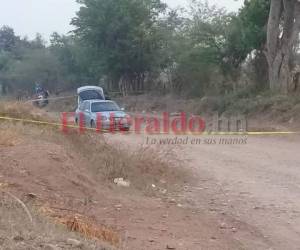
x: 85, y: 88
x: 93, y: 101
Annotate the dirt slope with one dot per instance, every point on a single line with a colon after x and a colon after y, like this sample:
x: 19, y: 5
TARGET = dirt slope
x: 241, y: 197
x: 60, y: 180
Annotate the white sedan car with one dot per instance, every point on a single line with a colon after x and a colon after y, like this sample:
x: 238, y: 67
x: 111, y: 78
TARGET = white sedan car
x: 102, y: 114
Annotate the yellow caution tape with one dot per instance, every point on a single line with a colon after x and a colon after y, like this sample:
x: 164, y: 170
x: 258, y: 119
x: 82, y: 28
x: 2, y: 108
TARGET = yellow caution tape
x: 159, y: 133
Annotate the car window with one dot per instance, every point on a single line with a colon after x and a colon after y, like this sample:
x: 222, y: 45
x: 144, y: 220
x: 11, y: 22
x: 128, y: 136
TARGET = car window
x: 81, y: 107
x: 86, y: 106
x: 105, y: 107
x: 91, y: 95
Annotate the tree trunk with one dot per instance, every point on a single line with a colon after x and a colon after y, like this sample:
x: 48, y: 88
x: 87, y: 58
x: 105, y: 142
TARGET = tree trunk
x: 122, y: 86
x: 279, y: 73
x: 282, y: 35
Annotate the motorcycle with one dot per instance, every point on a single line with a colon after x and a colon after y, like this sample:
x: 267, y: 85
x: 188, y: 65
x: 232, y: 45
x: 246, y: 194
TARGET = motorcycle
x: 41, y: 100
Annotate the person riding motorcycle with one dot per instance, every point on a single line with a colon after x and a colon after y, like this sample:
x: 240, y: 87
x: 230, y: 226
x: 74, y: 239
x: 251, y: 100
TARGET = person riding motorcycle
x: 38, y: 89
x: 41, y: 95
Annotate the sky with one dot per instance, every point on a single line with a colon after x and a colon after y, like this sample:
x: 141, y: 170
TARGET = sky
x: 28, y: 17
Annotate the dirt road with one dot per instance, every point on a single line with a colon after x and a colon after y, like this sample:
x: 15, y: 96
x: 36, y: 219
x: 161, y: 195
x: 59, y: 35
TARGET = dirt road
x: 252, y: 189
x: 242, y: 196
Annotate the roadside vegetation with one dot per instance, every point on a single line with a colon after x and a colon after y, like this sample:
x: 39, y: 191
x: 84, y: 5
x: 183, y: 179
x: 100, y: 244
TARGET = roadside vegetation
x: 192, y: 52
x: 143, y: 167
x: 280, y: 109
x: 150, y: 172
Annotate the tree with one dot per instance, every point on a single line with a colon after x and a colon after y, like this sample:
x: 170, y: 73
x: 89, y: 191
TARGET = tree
x: 38, y: 42
x: 200, y: 49
x: 75, y: 58
x: 7, y: 39
x: 36, y: 65
x: 282, y: 37
x: 122, y: 37
x: 246, y: 35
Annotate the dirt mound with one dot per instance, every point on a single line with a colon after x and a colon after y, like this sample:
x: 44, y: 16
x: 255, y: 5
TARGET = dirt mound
x: 54, y: 177
x: 44, y: 164
x: 69, y: 180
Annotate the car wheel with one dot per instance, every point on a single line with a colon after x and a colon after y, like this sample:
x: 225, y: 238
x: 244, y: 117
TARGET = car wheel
x: 93, y: 125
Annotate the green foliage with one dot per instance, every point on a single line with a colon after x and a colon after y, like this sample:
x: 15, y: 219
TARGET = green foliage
x: 7, y: 39
x: 203, y: 48
x: 122, y: 35
x: 254, y: 16
x: 4, y: 60
x: 24, y: 62
x: 36, y: 65
x: 247, y: 31
x: 201, y: 52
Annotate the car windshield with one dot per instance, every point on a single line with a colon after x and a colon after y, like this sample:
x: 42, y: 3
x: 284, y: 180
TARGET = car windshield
x: 90, y: 95
x: 104, y: 107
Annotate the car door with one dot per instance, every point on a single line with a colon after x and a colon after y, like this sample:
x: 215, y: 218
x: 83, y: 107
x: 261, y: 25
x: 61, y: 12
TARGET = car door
x: 78, y: 113
x: 87, y: 113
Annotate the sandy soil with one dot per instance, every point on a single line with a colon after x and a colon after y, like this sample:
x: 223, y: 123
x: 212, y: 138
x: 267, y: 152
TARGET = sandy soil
x: 60, y: 181
x: 252, y: 190
x: 245, y: 196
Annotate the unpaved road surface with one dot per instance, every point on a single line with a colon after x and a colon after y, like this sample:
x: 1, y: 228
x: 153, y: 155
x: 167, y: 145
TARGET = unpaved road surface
x: 244, y: 196
x: 252, y: 190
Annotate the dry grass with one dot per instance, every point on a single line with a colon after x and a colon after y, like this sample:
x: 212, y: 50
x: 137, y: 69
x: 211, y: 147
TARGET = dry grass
x: 16, y: 231
x: 21, y: 111
x: 142, y: 167
x: 10, y: 130
x: 20, y: 121
x: 84, y: 226
x: 63, y: 105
